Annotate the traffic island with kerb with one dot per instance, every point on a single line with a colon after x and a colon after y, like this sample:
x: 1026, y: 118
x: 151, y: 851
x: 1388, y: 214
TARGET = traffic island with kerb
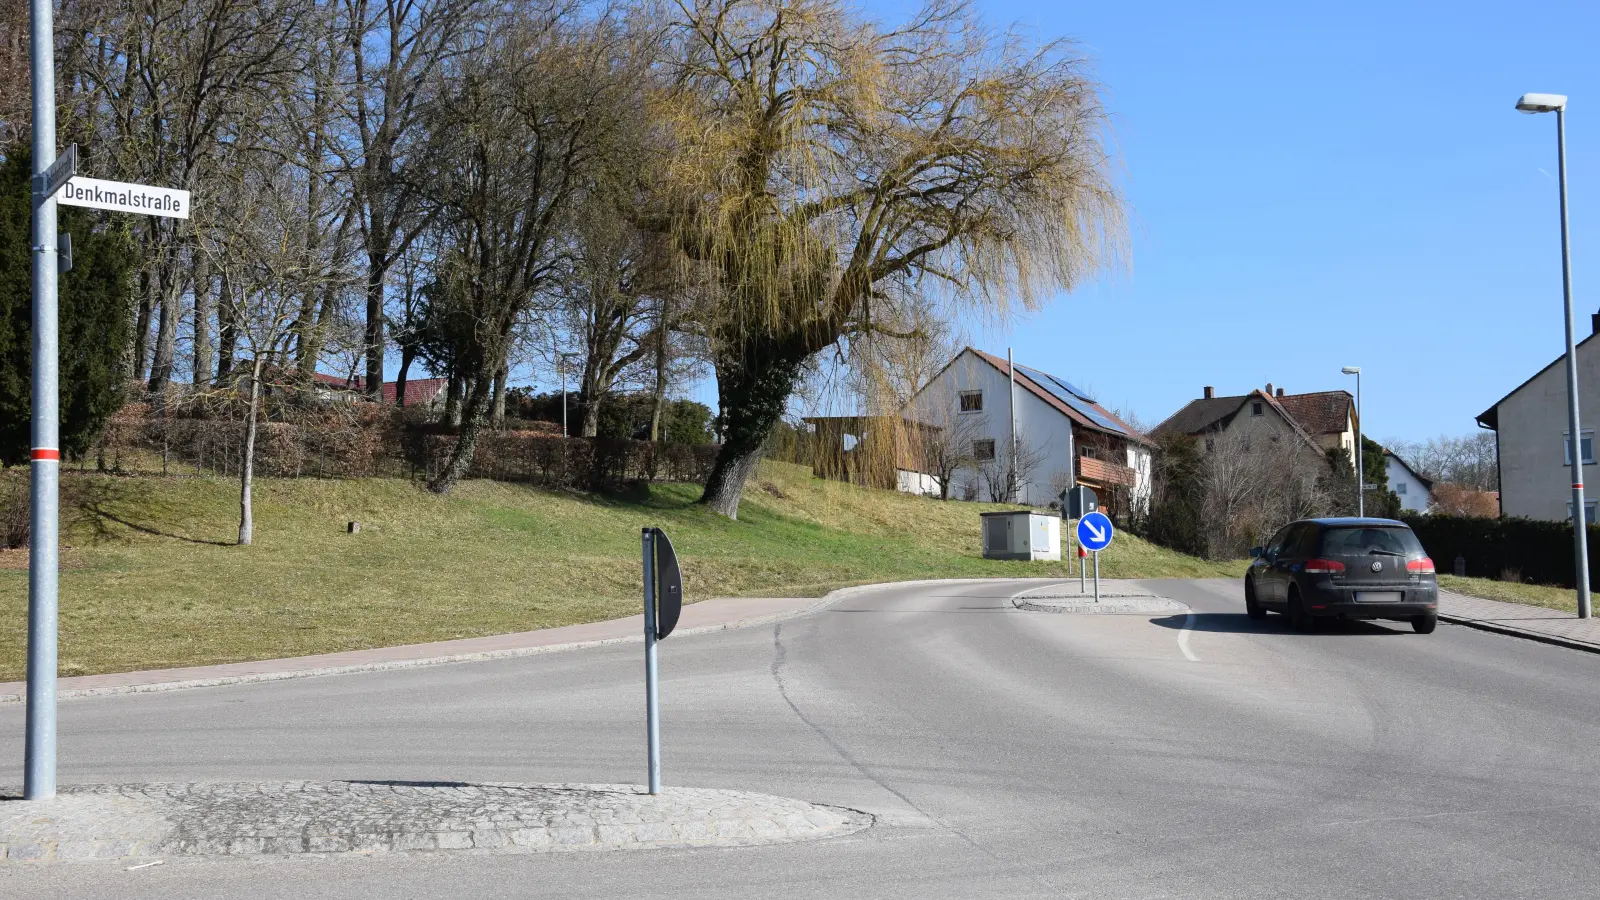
x: 1117, y: 598
x: 155, y: 821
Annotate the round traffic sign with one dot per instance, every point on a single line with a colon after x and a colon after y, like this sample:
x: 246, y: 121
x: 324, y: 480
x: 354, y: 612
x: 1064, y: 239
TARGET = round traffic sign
x: 1094, y: 531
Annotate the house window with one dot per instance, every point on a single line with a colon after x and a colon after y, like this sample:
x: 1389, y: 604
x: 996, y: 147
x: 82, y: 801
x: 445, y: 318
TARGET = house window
x: 983, y: 451
x: 972, y: 401
x: 1586, y: 442
x: 1400, y: 488
x: 1588, y: 511
x: 1255, y: 408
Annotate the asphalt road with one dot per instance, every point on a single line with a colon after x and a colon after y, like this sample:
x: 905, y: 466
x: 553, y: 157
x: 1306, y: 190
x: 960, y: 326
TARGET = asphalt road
x: 1007, y: 754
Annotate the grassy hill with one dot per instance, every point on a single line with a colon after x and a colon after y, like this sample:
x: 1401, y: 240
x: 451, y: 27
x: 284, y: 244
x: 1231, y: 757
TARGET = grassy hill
x: 152, y: 579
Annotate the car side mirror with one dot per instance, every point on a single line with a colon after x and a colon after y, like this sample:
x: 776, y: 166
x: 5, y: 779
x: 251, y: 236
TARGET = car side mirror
x: 1256, y: 552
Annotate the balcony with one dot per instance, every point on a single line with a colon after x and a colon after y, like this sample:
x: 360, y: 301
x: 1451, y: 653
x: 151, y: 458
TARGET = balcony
x: 1102, y: 473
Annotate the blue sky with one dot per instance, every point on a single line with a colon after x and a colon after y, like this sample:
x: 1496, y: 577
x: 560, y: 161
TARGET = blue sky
x: 1320, y: 185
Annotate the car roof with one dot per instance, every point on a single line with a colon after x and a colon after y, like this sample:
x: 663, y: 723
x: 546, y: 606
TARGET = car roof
x: 1343, y: 521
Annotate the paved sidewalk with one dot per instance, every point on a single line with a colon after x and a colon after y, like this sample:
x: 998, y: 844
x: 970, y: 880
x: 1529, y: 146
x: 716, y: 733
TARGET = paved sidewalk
x: 151, y: 821
x: 707, y: 615
x: 1536, y: 622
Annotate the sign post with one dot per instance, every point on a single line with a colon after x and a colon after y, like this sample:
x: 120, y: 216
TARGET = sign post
x: 55, y: 181
x: 39, y: 757
x: 1094, y: 534
x: 663, y: 602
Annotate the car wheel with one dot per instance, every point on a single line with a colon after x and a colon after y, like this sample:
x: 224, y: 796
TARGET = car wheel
x: 1299, y: 619
x: 1425, y: 624
x: 1252, y: 608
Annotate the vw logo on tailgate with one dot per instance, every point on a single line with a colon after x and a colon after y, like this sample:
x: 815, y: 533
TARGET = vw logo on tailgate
x: 1377, y: 566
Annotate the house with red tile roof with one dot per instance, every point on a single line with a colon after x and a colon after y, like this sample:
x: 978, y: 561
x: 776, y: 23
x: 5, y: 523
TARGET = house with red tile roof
x: 1066, y: 437
x: 424, y: 392
x: 1320, y: 420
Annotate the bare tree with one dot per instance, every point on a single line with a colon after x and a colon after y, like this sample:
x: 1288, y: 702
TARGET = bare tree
x: 1468, y: 460
x: 947, y: 449
x: 1008, y: 472
x: 531, y: 117
x: 826, y: 167
x: 397, y: 49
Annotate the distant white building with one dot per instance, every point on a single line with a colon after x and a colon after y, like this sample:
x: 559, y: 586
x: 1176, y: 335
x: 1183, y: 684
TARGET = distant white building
x: 1069, y: 435
x: 1415, y: 491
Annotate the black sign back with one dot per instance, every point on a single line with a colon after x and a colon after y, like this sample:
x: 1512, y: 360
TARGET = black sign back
x: 669, y: 586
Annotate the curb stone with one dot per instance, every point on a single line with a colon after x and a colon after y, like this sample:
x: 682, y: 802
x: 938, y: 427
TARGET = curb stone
x: 139, y: 822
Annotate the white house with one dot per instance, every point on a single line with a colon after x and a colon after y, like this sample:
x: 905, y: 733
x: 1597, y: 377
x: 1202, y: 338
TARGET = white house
x: 1414, y: 491
x: 1531, y: 435
x: 1064, y: 436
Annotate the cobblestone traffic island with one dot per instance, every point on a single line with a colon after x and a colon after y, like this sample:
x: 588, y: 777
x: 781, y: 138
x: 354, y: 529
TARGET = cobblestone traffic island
x: 152, y: 821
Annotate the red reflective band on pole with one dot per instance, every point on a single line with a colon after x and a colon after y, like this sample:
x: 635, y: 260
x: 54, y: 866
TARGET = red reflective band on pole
x: 46, y: 453
x: 1577, y: 485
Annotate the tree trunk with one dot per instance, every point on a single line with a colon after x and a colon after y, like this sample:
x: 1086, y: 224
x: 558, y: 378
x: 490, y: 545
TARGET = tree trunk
x: 497, y: 406
x: 247, y: 472
x: 475, y: 410
x: 753, y: 393
x: 374, y: 335
x: 227, y: 330
x: 660, y: 399
x: 452, y: 402
x: 406, y: 358
x: 141, y: 329
x: 166, y: 335
x: 202, y: 320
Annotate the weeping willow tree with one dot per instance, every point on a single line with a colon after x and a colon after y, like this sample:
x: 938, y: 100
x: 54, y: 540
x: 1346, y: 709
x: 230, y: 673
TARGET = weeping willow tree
x: 829, y: 171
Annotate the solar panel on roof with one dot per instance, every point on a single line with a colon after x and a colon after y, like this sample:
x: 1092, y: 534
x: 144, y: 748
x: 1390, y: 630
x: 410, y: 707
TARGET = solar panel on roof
x: 1037, y: 375
x: 1073, y: 398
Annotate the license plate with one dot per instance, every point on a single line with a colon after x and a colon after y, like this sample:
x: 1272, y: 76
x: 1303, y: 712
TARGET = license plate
x: 1379, y: 596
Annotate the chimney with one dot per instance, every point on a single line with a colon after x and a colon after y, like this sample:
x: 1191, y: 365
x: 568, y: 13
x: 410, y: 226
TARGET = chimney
x: 1211, y: 392
x: 1280, y: 392
x: 1269, y: 389
x: 1594, y: 322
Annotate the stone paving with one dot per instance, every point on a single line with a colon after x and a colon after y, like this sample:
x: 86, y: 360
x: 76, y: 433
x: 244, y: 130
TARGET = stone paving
x: 1537, y: 622
x: 152, y: 821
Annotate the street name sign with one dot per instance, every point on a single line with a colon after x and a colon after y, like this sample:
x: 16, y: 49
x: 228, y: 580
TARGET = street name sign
x: 1094, y: 531
x: 50, y: 180
x: 120, y: 196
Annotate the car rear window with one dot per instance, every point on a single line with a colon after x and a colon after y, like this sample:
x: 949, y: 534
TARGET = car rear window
x: 1363, y: 540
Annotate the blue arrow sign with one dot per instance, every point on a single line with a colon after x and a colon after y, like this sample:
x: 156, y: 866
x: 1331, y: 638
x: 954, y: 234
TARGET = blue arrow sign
x: 1094, y: 531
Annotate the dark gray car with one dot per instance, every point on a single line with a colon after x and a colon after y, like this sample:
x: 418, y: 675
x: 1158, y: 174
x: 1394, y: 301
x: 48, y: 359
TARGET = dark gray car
x: 1347, y: 568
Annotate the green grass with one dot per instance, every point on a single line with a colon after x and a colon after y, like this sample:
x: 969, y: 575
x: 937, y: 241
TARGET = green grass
x: 152, y: 580
x: 1544, y: 595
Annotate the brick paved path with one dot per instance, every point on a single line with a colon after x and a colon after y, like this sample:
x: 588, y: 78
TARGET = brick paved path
x: 156, y: 820
x: 1536, y: 622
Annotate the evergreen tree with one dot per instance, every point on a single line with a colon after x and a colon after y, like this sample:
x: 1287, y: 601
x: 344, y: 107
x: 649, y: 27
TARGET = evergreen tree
x: 96, y: 300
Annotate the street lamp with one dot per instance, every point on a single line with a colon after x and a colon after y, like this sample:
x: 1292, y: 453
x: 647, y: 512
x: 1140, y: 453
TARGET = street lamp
x: 562, y: 360
x: 1361, y: 471
x: 1557, y: 103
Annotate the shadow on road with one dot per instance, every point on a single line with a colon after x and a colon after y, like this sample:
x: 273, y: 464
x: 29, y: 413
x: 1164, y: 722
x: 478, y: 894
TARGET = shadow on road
x: 1239, y: 623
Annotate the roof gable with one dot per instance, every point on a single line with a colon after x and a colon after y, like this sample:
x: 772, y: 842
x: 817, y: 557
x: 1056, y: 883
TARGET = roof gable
x: 1054, y: 402
x: 1490, y: 418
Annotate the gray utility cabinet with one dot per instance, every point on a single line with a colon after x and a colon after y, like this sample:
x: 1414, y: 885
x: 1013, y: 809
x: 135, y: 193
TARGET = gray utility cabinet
x: 1021, y: 535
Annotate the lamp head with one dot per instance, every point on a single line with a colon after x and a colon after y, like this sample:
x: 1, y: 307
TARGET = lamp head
x: 1351, y: 370
x: 1542, y: 103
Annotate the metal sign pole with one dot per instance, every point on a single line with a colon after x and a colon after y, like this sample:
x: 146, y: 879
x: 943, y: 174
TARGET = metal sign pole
x: 39, y: 766
x: 1082, y: 574
x: 1097, y: 576
x: 652, y: 699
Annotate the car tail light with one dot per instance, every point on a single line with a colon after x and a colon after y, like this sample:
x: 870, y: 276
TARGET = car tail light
x: 1423, y: 566
x: 1324, y: 566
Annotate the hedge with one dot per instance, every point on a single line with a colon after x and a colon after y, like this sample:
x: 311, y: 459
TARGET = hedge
x: 1540, y: 551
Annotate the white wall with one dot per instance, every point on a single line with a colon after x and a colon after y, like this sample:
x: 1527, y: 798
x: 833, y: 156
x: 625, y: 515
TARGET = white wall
x: 1413, y: 494
x: 1040, y: 424
x: 1535, y: 480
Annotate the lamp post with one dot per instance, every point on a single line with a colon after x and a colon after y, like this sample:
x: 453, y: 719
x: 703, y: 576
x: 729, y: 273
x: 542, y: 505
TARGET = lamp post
x: 1557, y: 103
x: 562, y: 361
x: 1361, y: 469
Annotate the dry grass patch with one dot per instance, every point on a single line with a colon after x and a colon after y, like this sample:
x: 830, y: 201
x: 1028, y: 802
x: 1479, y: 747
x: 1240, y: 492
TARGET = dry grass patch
x: 155, y: 581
